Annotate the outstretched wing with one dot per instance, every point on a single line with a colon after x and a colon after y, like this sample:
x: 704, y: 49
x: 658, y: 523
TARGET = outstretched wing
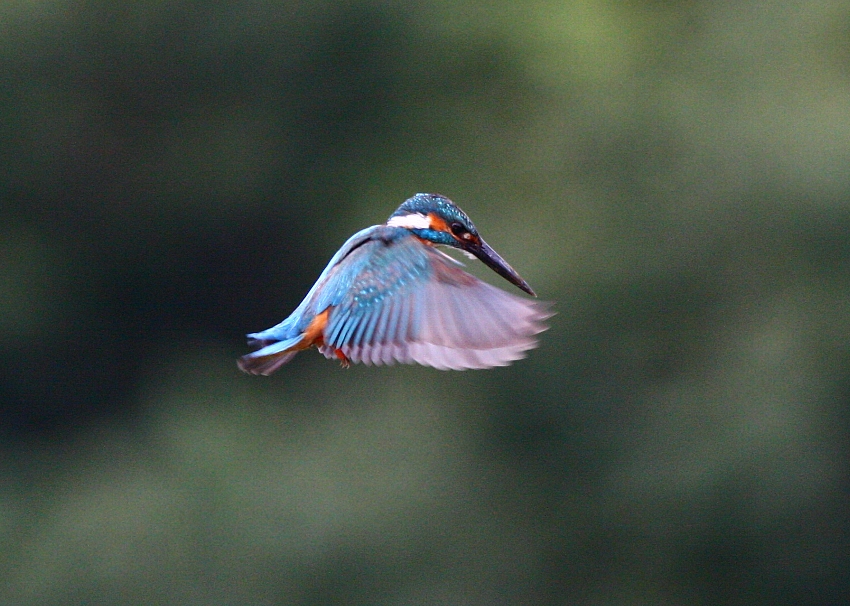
x: 406, y: 302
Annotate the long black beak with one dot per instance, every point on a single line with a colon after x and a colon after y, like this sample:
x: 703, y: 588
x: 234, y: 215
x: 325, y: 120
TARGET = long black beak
x: 492, y: 260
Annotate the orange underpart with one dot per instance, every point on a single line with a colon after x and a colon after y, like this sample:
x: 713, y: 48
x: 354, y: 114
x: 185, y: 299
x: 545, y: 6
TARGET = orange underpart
x: 314, y: 334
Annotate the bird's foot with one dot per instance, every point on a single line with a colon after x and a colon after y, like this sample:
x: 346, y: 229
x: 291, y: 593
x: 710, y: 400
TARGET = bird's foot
x: 343, y: 359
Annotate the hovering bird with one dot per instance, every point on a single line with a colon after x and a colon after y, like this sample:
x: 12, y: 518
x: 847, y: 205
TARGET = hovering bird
x: 389, y: 295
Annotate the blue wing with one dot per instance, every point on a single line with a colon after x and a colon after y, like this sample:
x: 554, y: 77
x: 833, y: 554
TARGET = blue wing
x: 396, y: 299
x: 280, y: 343
x: 328, y: 287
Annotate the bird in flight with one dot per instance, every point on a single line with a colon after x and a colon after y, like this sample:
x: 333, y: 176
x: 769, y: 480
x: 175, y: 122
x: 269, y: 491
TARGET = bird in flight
x: 390, y: 295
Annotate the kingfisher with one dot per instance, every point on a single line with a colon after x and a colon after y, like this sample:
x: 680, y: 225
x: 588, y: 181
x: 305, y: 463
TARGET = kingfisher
x: 390, y: 295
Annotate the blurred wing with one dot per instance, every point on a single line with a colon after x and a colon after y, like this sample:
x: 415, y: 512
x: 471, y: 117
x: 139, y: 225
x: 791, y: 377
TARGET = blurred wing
x: 408, y: 304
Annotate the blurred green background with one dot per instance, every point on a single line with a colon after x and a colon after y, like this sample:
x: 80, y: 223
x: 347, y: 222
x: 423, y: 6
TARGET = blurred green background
x: 674, y: 175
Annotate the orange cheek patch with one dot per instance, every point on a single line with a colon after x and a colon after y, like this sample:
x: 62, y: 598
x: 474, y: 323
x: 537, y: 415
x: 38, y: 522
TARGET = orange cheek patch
x: 437, y: 223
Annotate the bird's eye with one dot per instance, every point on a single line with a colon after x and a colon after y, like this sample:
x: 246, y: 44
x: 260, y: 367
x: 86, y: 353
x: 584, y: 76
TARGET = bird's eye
x: 459, y: 231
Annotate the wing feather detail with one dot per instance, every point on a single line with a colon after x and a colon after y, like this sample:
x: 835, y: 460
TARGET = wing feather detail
x: 411, y: 306
x: 392, y: 326
x: 383, y: 320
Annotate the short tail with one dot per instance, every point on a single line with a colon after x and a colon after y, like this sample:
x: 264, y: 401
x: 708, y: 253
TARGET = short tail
x: 268, y: 359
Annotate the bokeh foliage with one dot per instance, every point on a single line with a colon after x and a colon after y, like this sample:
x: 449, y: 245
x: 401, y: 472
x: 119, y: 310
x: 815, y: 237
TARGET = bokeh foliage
x: 674, y: 175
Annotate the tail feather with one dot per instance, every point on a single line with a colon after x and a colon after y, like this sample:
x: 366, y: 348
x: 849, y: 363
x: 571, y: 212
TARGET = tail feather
x: 268, y: 359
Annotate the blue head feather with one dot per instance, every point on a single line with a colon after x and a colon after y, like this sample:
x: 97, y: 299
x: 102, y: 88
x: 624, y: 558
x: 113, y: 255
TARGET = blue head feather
x: 441, y: 207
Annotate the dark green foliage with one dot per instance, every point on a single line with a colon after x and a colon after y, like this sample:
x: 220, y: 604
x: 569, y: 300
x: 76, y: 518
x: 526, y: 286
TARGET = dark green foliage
x: 673, y: 175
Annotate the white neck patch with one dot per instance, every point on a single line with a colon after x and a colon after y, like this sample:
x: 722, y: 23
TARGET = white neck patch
x: 411, y: 221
